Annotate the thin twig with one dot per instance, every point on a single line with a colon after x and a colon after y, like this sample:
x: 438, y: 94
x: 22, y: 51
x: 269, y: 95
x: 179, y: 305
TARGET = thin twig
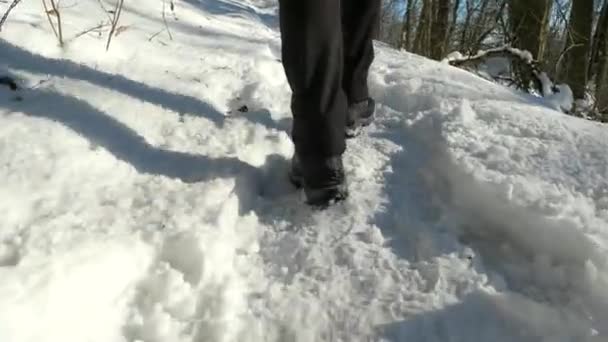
x: 117, y: 12
x: 156, y: 34
x: 39, y: 84
x: 90, y: 30
x: 8, y: 11
x: 48, y: 15
x: 103, y: 7
x: 563, y: 55
x: 56, y: 10
x: 165, y: 21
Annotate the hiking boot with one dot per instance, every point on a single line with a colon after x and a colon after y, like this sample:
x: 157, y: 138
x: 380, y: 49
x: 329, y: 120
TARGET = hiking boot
x: 323, y: 179
x: 295, y: 173
x: 360, y: 114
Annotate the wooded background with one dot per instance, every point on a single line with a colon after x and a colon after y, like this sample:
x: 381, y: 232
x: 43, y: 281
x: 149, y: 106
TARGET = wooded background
x: 568, y: 38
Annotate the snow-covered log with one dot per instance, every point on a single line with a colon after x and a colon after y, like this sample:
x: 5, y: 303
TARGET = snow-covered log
x: 524, y: 72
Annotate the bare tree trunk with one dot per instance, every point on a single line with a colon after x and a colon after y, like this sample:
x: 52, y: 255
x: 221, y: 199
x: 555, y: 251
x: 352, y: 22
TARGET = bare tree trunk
x: 406, y: 29
x: 599, y: 40
x: 480, y: 38
x: 454, y: 18
x: 578, y: 46
x: 544, y: 33
x: 422, y: 42
x: 439, y: 30
x: 601, y: 91
x: 466, y: 26
x: 601, y: 58
x: 479, y: 25
x: 529, y: 20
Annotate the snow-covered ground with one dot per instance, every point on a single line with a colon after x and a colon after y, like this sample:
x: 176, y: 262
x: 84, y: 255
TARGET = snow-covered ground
x: 138, y: 203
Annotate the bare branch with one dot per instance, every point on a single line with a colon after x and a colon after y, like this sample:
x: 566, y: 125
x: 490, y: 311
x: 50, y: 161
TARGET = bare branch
x: 98, y: 27
x: 165, y: 20
x: 58, y: 14
x: 8, y: 11
x: 48, y: 16
x: 117, y: 12
x: 105, y: 10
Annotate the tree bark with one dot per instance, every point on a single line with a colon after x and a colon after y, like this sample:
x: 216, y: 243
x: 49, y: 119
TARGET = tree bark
x: 422, y: 42
x: 599, y: 40
x: 466, y: 25
x: 453, y: 24
x: 439, y: 30
x: 601, y: 59
x: 480, y: 38
x: 406, y: 29
x: 578, y: 46
x: 529, y: 21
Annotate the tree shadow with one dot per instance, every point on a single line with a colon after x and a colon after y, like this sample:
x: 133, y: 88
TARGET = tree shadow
x: 16, y: 58
x: 123, y: 142
x: 234, y: 9
x: 202, y: 31
x: 102, y: 130
x: 126, y: 144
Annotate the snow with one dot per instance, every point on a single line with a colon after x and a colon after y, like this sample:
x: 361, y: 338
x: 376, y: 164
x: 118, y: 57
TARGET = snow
x: 558, y: 96
x: 526, y: 56
x: 139, y: 203
x: 562, y: 99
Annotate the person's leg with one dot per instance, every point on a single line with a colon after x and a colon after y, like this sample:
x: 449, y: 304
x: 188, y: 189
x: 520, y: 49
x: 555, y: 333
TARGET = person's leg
x: 359, y: 24
x: 360, y: 20
x: 313, y: 60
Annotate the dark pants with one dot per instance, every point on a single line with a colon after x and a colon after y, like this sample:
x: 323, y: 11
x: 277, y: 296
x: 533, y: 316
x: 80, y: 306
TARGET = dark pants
x: 327, y: 52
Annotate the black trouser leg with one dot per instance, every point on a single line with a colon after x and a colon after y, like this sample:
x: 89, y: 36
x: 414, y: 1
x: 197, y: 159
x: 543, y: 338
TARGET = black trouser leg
x: 359, y: 23
x: 313, y: 60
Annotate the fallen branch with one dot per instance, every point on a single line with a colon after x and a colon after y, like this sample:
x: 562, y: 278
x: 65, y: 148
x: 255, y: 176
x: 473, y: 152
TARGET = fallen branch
x: 98, y: 27
x: 527, y: 68
x: 524, y: 73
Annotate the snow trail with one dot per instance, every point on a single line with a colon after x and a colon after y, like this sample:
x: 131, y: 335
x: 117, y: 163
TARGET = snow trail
x: 143, y: 202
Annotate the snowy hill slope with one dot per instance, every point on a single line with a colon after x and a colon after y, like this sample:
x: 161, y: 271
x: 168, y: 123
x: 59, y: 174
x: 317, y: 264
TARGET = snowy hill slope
x: 139, y: 204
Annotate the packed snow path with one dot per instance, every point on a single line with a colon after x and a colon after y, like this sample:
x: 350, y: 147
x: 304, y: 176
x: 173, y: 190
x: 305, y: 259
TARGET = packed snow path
x: 144, y: 195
